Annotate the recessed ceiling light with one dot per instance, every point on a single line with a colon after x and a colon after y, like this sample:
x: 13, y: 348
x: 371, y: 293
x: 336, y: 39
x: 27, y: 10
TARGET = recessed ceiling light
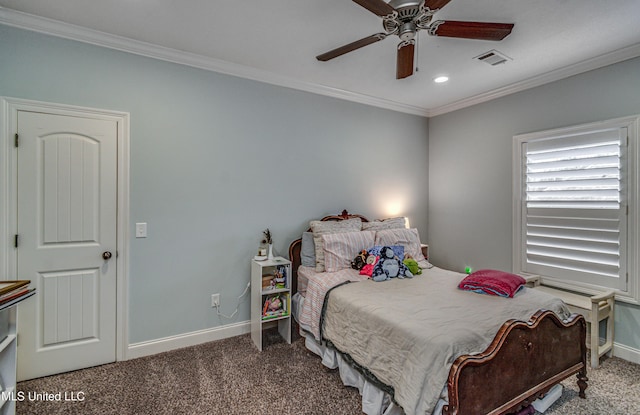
x: 440, y: 79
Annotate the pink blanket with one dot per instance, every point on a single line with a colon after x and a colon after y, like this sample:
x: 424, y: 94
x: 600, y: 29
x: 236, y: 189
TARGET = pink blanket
x: 493, y: 282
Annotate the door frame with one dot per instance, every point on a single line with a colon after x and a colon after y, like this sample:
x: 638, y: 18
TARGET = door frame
x: 9, y: 108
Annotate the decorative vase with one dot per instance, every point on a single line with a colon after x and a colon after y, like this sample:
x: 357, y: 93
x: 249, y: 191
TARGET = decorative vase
x: 270, y: 251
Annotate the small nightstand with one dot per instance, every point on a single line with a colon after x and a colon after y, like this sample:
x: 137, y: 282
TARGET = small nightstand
x: 263, y: 290
x: 425, y: 251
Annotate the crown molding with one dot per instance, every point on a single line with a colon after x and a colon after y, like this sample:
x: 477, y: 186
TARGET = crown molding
x: 610, y: 58
x: 68, y: 31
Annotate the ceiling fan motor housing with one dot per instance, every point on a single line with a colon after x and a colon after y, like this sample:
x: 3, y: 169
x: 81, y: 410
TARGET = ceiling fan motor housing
x: 407, y: 9
x: 409, y: 16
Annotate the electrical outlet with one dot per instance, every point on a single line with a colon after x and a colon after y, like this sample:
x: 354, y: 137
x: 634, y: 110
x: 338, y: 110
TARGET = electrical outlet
x: 215, y: 300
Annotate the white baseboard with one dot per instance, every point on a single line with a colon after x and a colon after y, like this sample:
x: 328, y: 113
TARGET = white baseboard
x: 166, y: 344
x: 626, y: 353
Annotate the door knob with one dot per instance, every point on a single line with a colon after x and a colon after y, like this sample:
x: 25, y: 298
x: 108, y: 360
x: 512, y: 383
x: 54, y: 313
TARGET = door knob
x: 106, y: 255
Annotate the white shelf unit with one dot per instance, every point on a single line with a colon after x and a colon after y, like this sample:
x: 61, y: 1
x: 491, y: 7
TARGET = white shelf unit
x: 260, y: 269
x: 8, y: 361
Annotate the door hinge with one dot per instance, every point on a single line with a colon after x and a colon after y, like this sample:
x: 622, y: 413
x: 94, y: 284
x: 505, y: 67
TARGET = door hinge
x: 16, y: 140
x: 15, y: 241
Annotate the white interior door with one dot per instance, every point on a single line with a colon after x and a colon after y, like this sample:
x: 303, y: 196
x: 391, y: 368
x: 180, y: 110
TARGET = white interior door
x: 66, y: 216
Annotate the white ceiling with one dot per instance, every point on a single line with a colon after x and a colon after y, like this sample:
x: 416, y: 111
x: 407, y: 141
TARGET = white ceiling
x: 276, y: 41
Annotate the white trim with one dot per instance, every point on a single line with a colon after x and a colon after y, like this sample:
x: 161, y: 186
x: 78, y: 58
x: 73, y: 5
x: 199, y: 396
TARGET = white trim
x: 9, y: 184
x: 6, y: 166
x: 81, y: 34
x: 8, y: 177
x: 194, y: 338
x: 122, y: 294
x: 610, y: 58
x: 64, y: 30
x: 626, y: 353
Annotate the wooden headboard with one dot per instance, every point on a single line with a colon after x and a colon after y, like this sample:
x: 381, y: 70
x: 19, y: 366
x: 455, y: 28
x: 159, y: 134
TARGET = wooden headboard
x: 296, y: 246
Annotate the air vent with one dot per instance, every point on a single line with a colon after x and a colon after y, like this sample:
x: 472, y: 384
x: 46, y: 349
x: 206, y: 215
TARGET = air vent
x: 493, y: 57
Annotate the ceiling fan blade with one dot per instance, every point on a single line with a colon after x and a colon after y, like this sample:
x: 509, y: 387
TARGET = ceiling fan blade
x: 351, y: 47
x: 404, y: 63
x: 435, y: 4
x: 378, y: 7
x: 470, y: 30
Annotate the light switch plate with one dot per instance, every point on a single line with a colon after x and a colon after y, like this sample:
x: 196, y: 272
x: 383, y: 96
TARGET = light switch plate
x: 141, y: 230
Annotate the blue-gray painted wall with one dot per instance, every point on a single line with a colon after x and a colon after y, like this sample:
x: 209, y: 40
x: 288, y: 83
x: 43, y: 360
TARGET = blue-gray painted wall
x: 470, y: 167
x: 215, y: 160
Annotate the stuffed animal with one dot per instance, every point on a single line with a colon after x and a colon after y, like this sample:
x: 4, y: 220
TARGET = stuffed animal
x: 367, y: 269
x: 412, y: 264
x: 360, y: 260
x: 275, y: 304
x: 389, y: 266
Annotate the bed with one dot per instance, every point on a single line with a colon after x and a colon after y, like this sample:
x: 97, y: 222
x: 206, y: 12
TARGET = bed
x: 426, y: 347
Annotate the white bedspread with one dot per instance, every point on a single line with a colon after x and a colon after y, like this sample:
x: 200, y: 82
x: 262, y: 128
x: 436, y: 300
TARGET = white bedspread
x: 408, y: 332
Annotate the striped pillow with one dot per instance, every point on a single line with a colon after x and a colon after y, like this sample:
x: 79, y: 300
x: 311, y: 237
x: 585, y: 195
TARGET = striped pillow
x: 320, y: 228
x: 391, y: 223
x: 341, y: 248
x: 408, y: 238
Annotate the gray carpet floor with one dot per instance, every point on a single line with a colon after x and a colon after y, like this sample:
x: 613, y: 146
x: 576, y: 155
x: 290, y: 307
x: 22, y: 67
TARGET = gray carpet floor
x: 231, y: 377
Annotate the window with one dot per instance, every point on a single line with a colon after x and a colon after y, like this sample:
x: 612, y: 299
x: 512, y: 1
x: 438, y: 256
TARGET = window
x: 575, y: 205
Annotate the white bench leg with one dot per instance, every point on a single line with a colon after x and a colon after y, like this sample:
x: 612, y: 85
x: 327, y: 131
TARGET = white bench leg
x: 595, y: 343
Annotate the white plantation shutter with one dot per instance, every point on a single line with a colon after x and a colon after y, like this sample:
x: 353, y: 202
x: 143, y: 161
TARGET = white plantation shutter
x: 574, y: 207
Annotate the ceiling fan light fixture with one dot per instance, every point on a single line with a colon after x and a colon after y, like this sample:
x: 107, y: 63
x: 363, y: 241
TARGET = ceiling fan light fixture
x: 407, y: 31
x: 441, y: 79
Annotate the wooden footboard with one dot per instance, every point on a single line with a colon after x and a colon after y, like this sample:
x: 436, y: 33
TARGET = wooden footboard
x: 521, y: 364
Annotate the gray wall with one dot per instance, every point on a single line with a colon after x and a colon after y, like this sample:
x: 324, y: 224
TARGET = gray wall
x: 470, y: 176
x: 215, y: 160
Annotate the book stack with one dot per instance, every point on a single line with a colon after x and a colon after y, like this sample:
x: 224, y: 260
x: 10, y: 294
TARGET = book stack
x: 12, y: 292
x: 280, y: 277
x: 275, y: 306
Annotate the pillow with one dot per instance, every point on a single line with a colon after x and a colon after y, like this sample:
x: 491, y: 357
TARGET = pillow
x: 320, y: 228
x: 391, y: 223
x: 408, y: 238
x: 340, y: 248
x: 493, y: 282
x: 308, y: 250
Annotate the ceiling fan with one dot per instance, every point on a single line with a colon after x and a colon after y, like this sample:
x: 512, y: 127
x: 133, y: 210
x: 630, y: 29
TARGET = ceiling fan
x: 405, y: 18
